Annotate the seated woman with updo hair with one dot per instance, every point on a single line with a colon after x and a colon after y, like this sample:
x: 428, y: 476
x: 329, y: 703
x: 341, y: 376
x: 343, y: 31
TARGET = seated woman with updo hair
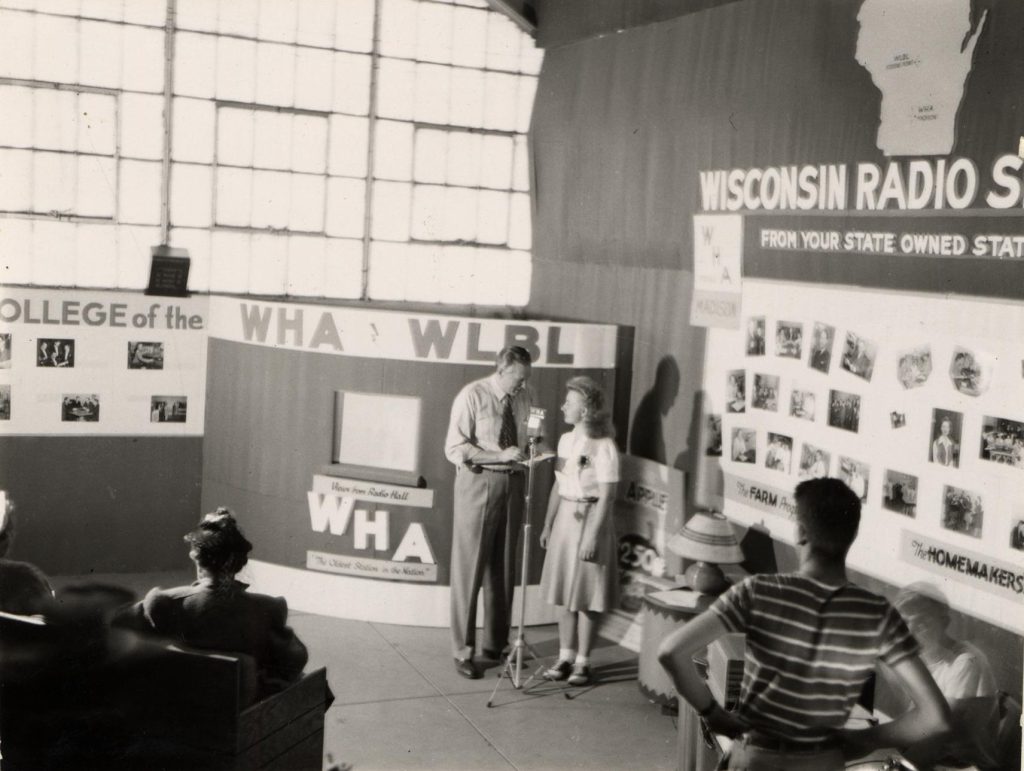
x: 217, y: 613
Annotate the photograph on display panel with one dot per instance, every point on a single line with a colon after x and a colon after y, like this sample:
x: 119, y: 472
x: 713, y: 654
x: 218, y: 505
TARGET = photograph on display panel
x: 168, y: 409
x: 144, y: 355
x: 789, y: 339
x: 736, y: 391
x: 814, y: 462
x: 859, y: 356
x: 822, y: 339
x: 1017, y: 535
x: 713, y: 442
x: 970, y: 371
x: 856, y: 474
x: 899, y: 492
x: 944, y: 448
x: 1002, y: 441
x: 766, y: 392
x: 779, y: 454
x: 83, y: 408
x: 5, y: 350
x: 52, y: 352
x: 962, y: 511
x: 5, y: 402
x: 914, y: 367
x: 744, y: 445
x: 755, y: 336
x: 897, y: 419
x: 844, y: 410
x: 803, y: 404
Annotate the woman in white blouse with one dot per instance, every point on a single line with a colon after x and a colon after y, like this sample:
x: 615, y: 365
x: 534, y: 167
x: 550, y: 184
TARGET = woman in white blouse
x: 580, y: 574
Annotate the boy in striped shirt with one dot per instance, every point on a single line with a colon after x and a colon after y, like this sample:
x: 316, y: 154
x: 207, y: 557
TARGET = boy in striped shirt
x: 812, y: 641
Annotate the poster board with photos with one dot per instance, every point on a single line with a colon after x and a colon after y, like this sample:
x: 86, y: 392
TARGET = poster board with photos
x: 916, y: 401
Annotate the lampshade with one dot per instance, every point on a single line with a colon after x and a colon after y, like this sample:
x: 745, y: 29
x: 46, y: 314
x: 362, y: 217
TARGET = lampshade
x: 707, y: 536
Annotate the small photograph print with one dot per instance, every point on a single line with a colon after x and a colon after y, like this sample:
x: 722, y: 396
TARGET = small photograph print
x: 755, y: 336
x: 789, y: 339
x: 5, y: 350
x: 80, y: 408
x: 145, y: 355
x: 744, y: 445
x: 1017, y: 536
x: 814, y: 462
x: 736, y: 391
x: 855, y: 474
x: 970, y: 372
x: 168, y: 409
x: 844, y: 410
x: 821, y: 346
x: 803, y: 404
x: 899, y: 493
x: 55, y: 353
x: 779, y: 455
x: 945, y: 438
x: 1002, y: 441
x: 859, y: 356
x: 5, y: 402
x: 713, y: 447
x: 915, y: 367
x: 766, y: 392
x: 962, y: 511
x: 897, y: 419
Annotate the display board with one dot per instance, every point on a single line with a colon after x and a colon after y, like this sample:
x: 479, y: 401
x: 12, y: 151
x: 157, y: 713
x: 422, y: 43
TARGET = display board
x: 916, y: 401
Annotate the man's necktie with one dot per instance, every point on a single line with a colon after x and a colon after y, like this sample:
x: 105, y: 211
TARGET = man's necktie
x: 507, y: 437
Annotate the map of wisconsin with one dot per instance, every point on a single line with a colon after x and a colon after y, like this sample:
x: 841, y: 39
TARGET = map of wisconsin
x: 919, y: 54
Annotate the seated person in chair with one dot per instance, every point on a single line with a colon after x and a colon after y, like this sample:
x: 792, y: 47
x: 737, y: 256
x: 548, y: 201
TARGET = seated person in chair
x: 216, y: 612
x: 24, y: 589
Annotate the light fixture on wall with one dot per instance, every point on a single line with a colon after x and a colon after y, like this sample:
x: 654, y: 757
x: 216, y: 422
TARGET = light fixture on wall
x: 708, y: 538
x: 168, y: 271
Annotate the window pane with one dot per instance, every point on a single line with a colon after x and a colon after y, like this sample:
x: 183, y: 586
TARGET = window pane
x: 467, y: 97
x: 195, y: 58
x: 348, y: 146
x: 396, y: 89
x: 197, y: 241
x: 431, y: 157
x: 268, y: 264
x: 16, y: 105
x: 271, y: 199
x: 519, y: 222
x: 500, y: 103
x: 353, y: 29
x: 143, y: 56
x: 313, y: 71
x: 272, y: 140
x: 489, y: 276
x: 197, y: 14
x: 433, y: 82
x: 236, y: 69
x: 96, y: 124
x: 307, y: 203
x: 238, y: 17
x: 388, y: 270
x: 502, y: 43
x: 306, y: 266
x: 16, y: 44
x: 54, y: 251
x: 521, y: 169
x: 309, y: 144
x: 56, y: 49
x: 277, y: 20
x: 517, y: 278
x: 346, y: 207
x: 54, y: 176
x: 96, y: 256
x: 235, y: 130
x: 192, y: 130
x: 352, y: 83
x: 398, y: 28
x: 275, y: 74
x: 16, y: 246
x: 16, y: 177
x: 229, y: 262
x: 492, y: 217
x: 94, y: 196
x: 100, y: 54
x: 139, y: 193
x: 55, y: 126
x: 191, y: 192
x: 469, y: 37
x: 234, y: 196
x: 463, y: 158
x: 392, y: 156
x: 456, y: 275
x: 390, y: 213
x: 496, y: 162
x: 428, y: 213
x: 459, y: 223
x: 434, y: 33
x: 316, y: 22
x: 343, y: 269
x: 142, y: 125
x: 524, y: 108
x: 422, y: 268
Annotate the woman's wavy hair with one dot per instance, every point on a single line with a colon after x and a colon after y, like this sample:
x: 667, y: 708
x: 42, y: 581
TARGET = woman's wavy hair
x: 598, y: 422
x: 218, y: 545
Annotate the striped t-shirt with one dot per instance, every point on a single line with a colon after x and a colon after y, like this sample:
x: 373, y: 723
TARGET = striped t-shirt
x: 810, y: 648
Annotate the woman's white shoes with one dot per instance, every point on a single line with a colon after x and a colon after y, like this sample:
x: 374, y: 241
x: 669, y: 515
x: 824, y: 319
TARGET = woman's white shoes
x: 559, y: 671
x: 580, y: 675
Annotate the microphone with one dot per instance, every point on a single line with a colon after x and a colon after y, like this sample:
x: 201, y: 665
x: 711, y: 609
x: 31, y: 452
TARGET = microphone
x: 535, y: 424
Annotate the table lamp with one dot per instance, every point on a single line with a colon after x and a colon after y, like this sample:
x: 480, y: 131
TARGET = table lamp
x: 708, y: 538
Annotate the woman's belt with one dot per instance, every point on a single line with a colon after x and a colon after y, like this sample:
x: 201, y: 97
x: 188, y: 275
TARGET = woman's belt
x: 589, y: 499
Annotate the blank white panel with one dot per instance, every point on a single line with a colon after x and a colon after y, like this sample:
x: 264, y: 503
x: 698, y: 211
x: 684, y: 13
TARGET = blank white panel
x: 343, y: 268
x: 16, y: 44
x: 496, y: 162
x: 502, y: 43
x: 464, y: 158
x: 500, y: 101
x: 271, y: 199
x: 17, y: 107
x: 53, y: 182
x: 195, y: 60
x: 139, y: 193
x: 54, y: 252
x: 268, y: 264
x: 96, y: 263
x: 142, y: 125
x: 151, y: 12
x: 518, y: 271
x: 309, y: 143
x: 111, y: 10
x: 492, y: 217
x: 390, y: 212
x: 396, y: 89
x: 272, y: 140
x: 316, y: 23
x: 191, y: 195
x: 16, y: 247
x: 352, y: 83
x: 489, y: 276
x: 519, y: 228
x: 196, y: 14
x: 469, y: 37
x: 236, y: 69
x: 392, y: 155
x: 95, y: 193
x: 346, y: 207
x: 234, y: 196
x: 99, y: 54
x: 456, y: 274
x: 422, y: 283
x: 388, y: 271
x: 96, y: 124
x: 348, y: 141
x: 530, y: 58
x: 56, y: 49
x: 430, y: 161
x: 55, y: 120
x: 306, y: 265
x: 275, y: 74
x: 460, y: 206
x: 313, y: 71
x: 197, y: 242
x: 235, y: 130
x: 434, y: 33
x: 433, y: 100
x: 524, y: 107
x: 307, y: 203
x: 428, y: 207
x: 15, y: 181
x: 133, y: 256
x: 521, y: 165
x: 277, y: 20
x: 353, y: 29
x: 192, y: 130
x: 229, y: 262
x: 398, y: 28
x: 238, y: 17
x: 467, y: 97
x: 143, y: 59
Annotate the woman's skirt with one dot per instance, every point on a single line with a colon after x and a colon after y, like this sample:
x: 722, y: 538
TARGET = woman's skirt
x: 567, y: 580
